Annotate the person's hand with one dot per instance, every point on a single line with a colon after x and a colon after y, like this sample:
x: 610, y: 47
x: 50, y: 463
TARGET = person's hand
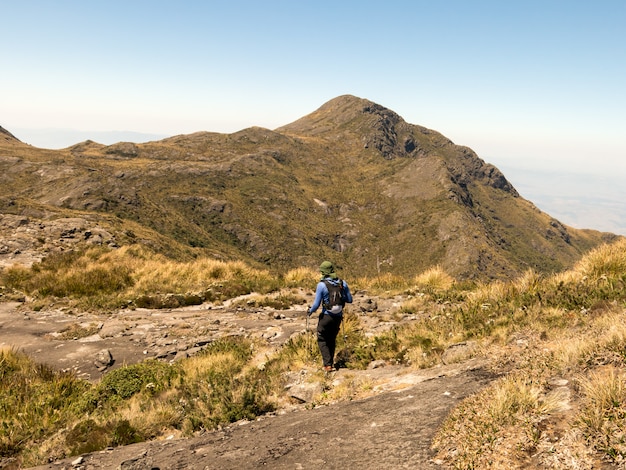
x: 308, y: 312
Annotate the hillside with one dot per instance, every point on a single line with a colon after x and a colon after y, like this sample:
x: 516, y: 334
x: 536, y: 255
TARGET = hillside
x: 352, y: 182
x: 6, y: 136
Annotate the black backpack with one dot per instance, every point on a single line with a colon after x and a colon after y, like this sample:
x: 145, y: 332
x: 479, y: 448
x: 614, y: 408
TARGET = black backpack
x: 336, y: 299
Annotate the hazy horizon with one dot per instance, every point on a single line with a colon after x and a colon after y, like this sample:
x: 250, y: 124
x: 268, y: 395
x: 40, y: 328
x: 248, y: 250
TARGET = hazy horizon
x: 575, y: 198
x: 56, y: 139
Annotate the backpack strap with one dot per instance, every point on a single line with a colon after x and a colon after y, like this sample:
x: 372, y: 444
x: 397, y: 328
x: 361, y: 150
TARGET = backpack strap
x: 339, y: 284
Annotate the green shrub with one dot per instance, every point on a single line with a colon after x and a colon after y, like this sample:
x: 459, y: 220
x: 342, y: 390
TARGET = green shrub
x: 17, y: 277
x: 218, y: 388
x: 35, y: 401
x: 151, y: 376
x: 90, y: 436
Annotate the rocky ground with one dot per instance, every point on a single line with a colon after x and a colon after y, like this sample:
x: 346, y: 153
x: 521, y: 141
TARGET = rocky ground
x: 24, y: 240
x: 90, y: 344
x: 392, y: 428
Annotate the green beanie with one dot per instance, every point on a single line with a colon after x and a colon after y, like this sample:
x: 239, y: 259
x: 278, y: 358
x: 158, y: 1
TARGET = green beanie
x: 328, y: 270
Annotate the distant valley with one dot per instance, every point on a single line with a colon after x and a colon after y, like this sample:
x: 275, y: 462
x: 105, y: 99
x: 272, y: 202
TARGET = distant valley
x: 577, y: 199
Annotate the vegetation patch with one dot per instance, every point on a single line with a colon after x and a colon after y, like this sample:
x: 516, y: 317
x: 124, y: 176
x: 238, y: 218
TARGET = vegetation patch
x: 278, y: 301
x: 35, y: 402
x: 101, y: 278
x: 77, y: 331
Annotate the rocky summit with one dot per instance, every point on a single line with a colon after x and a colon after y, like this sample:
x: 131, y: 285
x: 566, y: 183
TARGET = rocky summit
x: 351, y: 182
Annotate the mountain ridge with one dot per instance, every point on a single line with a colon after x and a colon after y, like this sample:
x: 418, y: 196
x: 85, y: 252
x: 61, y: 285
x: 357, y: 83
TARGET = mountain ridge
x: 351, y: 181
x: 7, y: 136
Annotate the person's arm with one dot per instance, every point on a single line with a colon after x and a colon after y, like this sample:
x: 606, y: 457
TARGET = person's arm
x: 318, y: 297
x: 346, y: 293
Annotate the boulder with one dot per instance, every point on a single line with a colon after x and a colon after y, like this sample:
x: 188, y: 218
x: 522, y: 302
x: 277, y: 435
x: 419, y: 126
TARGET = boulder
x: 305, y: 392
x: 459, y: 352
x: 103, y: 359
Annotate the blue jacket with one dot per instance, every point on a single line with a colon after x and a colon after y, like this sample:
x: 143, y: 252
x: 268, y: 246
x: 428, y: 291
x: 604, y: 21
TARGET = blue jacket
x: 322, y: 295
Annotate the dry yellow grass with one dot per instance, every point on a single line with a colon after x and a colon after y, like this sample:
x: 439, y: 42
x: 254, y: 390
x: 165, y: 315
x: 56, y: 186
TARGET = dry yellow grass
x: 545, y: 335
x: 415, y: 304
x: 384, y: 284
x: 487, y: 294
x: 602, y: 417
x: 161, y: 275
x: 301, y: 277
x: 434, y: 278
x: 157, y: 417
x: 351, y: 387
x: 606, y: 260
x: 529, y: 282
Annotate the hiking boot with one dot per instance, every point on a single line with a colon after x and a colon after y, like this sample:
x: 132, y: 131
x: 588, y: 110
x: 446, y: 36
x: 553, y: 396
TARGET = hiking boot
x: 329, y: 368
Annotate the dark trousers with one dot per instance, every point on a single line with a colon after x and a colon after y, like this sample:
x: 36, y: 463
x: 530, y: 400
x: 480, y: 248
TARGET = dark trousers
x: 327, y: 331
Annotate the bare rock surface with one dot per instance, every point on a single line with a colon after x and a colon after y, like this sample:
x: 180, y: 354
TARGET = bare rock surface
x: 77, y: 341
x: 26, y: 240
x: 90, y: 344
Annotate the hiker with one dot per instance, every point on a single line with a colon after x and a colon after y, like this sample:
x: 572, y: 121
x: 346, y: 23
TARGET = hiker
x: 331, y: 293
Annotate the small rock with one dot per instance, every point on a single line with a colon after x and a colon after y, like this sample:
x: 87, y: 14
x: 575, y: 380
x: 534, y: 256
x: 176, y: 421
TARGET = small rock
x: 305, y: 392
x: 112, y: 328
x: 558, y: 382
x: 103, y: 359
x: 459, y: 352
x: 376, y: 364
x: 141, y: 462
x: 180, y: 355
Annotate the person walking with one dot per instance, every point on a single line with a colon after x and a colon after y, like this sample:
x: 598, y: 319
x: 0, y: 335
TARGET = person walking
x: 331, y: 294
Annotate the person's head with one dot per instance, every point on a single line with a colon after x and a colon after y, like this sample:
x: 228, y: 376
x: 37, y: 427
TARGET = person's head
x: 328, y: 270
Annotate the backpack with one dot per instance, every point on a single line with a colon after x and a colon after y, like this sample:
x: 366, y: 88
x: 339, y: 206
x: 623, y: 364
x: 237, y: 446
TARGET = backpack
x: 336, y: 299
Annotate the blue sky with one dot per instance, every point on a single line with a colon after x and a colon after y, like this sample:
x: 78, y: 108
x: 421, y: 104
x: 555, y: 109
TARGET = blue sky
x: 535, y: 87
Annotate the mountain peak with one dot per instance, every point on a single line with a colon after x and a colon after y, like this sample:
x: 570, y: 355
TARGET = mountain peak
x: 344, y: 111
x: 367, y: 126
x: 349, y: 105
